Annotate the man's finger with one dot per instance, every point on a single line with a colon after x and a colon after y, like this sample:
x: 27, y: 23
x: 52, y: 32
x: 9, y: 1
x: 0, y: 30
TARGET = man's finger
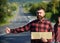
x: 7, y: 30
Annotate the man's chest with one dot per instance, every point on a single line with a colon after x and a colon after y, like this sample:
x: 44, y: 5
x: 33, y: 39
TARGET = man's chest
x: 39, y: 27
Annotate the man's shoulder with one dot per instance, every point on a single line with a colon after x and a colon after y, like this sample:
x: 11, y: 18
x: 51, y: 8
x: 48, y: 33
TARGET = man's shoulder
x: 34, y: 20
x: 47, y: 21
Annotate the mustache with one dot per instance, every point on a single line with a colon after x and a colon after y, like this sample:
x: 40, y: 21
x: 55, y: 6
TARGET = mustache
x: 40, y: 17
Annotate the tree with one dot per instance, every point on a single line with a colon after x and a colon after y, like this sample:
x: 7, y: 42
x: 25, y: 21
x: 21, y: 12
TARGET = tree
x: 52, y: 8
x: 35, y: 6
x: 5, y: 12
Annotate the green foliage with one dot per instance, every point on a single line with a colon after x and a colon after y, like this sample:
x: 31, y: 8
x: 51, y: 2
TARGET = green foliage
x: 33, y: 9
x: 27, y: 7
x: 13, y: 6
x: 52, y: 9
x: 37, y: 5
x: 6, y: 10
x: 3, y: 2
x: 48, y: 15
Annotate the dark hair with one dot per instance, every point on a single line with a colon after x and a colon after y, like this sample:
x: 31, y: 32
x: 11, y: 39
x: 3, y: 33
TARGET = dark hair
x: 55, y: 27
x: 57, y: 21
x: 39, y: 8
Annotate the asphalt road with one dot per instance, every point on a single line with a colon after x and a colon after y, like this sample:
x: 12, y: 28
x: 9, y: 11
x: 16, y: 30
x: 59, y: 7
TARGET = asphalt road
x: 19, y: 20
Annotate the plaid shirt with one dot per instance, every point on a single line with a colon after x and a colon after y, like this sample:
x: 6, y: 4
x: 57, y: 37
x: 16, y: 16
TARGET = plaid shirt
x: 35, y: 26
x: 57, y: 33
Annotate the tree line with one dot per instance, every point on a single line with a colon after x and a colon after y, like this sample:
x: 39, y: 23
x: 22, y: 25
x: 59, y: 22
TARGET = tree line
x: 6, y: 10
x: 52, y: 9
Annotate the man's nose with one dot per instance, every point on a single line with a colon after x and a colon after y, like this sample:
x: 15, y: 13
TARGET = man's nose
x: 39, y: 14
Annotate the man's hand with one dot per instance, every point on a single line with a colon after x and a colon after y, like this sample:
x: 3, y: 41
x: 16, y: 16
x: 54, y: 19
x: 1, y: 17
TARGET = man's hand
x: 44, y: 40
x: 7, y: 30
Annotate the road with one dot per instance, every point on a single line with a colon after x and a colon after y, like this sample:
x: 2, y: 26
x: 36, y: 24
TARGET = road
x: 19, y: 20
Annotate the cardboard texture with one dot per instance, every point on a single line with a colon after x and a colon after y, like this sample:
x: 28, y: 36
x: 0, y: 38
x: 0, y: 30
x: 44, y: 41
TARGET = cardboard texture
x: 39, y: 35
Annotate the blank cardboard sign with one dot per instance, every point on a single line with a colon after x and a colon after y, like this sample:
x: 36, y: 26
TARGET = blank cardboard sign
x: 39, y: 35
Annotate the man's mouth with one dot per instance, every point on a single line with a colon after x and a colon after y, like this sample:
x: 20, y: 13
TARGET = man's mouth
x: 39, y: 17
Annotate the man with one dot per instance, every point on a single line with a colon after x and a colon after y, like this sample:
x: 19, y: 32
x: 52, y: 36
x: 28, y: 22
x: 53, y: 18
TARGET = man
x: 38, y: 25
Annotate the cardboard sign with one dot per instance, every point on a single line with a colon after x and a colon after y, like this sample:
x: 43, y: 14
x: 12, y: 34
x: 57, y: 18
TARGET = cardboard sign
x: 39, y: 35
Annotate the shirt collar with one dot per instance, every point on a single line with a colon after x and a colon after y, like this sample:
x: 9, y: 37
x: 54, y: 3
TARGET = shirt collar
x: 42, y: 20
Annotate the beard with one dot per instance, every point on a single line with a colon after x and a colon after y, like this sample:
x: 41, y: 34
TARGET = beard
x: 40, y: 17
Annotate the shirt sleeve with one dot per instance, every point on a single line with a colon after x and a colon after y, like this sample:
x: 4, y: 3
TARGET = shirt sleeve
x: 51, y: 30
x: 55, y: 31
x: 21, y: 29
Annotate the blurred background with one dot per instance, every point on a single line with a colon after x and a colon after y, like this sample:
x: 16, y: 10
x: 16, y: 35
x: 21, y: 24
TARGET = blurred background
x: 17, y: 13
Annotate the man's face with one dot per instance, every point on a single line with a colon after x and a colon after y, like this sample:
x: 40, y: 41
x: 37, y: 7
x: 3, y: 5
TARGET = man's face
x: 40, y: 14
